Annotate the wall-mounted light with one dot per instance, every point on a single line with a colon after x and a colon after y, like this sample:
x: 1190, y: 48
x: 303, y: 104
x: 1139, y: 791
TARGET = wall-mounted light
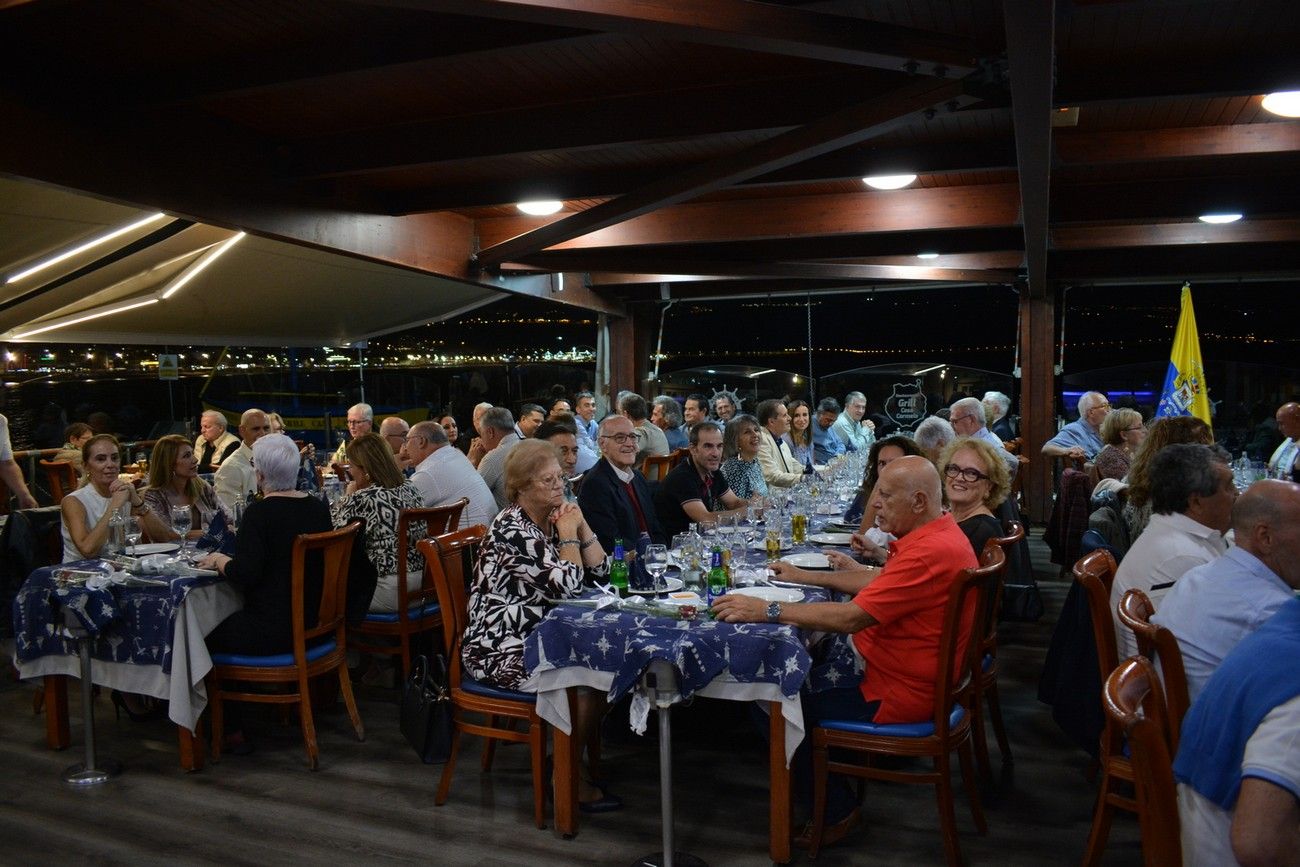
x: 927, y: 255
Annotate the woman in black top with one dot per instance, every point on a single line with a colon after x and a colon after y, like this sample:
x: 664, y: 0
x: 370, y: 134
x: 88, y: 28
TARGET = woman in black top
x: 976, y: 481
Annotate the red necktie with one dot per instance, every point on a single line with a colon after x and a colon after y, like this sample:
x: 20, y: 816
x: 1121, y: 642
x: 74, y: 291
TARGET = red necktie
x: 636, y: 507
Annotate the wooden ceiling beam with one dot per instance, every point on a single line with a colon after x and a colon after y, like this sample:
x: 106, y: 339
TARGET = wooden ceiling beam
x: 1113, y: 237
x: 1172, y: 199
x: 1147, y: 145
x: 835, y: 131
x: 971, y: 207
x: 1085, y: 80
x: 1204, y: 262
x: 737, y: 24
x: 774, y: 105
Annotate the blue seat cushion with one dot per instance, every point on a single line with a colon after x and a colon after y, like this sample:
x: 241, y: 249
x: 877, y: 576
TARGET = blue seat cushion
x: 279, y: 660
x: 893, y: 730
x: 430, y: 609
x: 477, y: 688
x: 987, y: 662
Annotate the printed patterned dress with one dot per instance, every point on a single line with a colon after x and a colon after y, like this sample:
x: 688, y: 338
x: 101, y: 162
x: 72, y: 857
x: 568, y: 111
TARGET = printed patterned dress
x: 517, y: 570
x: 380, y: 508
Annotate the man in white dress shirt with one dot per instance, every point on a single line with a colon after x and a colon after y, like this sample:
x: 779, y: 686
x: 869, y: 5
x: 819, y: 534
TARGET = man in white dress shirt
x: 1192, y: 493
x: 10, y: 473
x: 443, y: 475
x: 236, y: 478
x: 1282, y: 464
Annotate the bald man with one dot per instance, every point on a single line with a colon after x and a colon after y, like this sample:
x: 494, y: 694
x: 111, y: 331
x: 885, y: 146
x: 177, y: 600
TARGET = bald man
x: 394, y: 430
x: 236, y: 478
x: 1214, y: 606
x: 1282, y: 465
x: 896, y: 620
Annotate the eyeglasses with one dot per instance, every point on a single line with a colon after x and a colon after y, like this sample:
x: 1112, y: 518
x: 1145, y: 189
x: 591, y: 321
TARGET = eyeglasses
x: 401, y: 437
x: 550, y: 482
x: 352, y: 422
x: 1131, y: 429
x: 956, y: 418
x: 619, y: 438
x: 966, y: 474
x: 1100, y: 406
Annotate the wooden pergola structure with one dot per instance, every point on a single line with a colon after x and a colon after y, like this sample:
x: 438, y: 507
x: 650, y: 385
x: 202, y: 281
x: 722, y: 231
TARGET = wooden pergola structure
x: 699, y: 147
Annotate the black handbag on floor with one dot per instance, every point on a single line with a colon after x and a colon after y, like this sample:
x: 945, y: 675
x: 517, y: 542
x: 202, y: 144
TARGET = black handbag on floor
x: 426, y: 709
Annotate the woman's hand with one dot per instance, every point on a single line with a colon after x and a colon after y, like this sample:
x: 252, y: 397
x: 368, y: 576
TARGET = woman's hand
x: 867, y: 548
x: 215, y: 561
x: 120, y: 493
x: 476, y: 451
x: 568, y: 519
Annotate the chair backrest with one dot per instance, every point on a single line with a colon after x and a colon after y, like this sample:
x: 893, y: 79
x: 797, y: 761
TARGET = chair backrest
x: 1157, y: 642
x: 449, y: 563
x: 678, y: 456
x: 1015, y: 531
x: 967, y: 601
x: 1130, y: 687
x: 62, y: 476
x: 335, y: 551
x: 436, y: 520
x: 1095, y: 572
x: 655, y: 467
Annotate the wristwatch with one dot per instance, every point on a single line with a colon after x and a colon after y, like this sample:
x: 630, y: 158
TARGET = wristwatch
x: 773, y: 612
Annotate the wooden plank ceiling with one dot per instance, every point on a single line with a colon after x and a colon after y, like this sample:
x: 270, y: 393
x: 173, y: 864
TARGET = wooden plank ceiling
x: 700, y: 147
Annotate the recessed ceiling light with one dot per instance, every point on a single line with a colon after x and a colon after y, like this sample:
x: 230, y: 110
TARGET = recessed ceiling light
x: 1219, y: 218
x: 889, y: 182
x: 540, y: 208
x: 927, y: 255
x: 1285, y: 103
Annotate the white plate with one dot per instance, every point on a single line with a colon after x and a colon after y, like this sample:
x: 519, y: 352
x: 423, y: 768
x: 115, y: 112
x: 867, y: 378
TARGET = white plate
x: 152, y: 548
x: 831, y: 538
x: 672, y: 585
x: 769, y: 594
x: 685, y: 597
x: 808, y: 561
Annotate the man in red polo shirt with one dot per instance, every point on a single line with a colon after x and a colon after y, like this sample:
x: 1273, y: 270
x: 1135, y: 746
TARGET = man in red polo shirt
x: 896, y: 621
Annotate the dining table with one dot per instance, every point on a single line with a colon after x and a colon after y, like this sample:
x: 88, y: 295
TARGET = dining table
x: 146, y: 638
x: 610, y: 649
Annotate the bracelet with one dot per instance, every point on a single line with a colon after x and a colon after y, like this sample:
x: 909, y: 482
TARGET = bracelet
x: 587, y: 544
x: 564, y: 542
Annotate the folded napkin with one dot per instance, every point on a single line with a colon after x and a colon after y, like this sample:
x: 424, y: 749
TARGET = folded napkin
x: 218, y: 537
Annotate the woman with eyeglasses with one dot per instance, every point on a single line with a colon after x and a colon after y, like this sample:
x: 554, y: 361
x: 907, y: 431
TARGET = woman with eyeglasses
x: 975, y: 481
x: 1122, y: 432
x: 539, y: 547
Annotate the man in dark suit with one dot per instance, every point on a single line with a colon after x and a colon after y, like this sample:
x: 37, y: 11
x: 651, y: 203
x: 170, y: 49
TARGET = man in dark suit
x: 996, y: 407
x: 614, y: 495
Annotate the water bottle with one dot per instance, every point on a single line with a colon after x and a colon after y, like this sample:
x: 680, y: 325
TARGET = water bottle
x: 117, y: 532
x: 1241, y: 470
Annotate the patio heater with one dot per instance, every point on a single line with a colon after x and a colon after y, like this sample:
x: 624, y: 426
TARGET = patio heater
x: 659, y: 685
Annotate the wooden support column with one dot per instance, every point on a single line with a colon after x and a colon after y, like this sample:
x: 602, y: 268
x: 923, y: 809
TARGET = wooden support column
x: 629, y: 351
x: 1037, y: 396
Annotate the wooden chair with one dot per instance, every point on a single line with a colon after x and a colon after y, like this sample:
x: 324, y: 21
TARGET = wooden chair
x: 62, y: 478
x: 477, y: 708
x: 1156, y: 642
x: 417, y: 610
x: 655, y: 467
x: 949, y: 730
x: 984, y: 674
x: 1133, y: 686
x: 679, y: 455
x: 317, y: 650
x: 1095, y: 573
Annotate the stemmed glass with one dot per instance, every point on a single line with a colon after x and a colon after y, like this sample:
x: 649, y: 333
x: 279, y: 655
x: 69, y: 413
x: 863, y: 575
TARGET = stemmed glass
x: 656, y: 563
x: 134, y: 532
x: 181, y: 523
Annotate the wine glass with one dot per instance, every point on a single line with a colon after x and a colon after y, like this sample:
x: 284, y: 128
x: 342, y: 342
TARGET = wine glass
x: 134, y: 532
x: 181, y: 523
x: 656, y: 563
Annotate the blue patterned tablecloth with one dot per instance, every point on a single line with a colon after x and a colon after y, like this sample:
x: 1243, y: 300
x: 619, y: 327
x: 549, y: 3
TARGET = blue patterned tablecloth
x: 129, y: 624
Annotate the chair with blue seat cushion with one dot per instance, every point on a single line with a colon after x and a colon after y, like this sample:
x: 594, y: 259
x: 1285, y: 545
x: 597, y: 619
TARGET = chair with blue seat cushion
x: 478, y: 708
x: 948, y: 730
x: 417, y: 609
x: 317, y: 649
x: 984, y: 675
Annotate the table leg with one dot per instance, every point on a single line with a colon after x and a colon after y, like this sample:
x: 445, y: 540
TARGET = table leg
x: 192, y: 747
x: 565, y: 759
x: 56, y: 712
x: 780, y: 817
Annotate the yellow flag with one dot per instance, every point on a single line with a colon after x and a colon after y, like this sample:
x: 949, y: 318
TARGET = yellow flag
x: 1185, y: 390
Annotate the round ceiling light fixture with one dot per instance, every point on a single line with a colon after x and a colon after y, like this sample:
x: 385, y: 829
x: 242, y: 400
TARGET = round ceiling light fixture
x: 1219, y: 219
x: 888, y: 182
x: 927, y: 255
x: 540, y: 208
x: 1285, y: 103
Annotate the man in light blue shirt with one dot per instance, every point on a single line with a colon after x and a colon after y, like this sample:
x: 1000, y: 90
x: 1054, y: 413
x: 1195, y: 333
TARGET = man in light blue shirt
x: 967, y: 419
x: 826, y: 443
x: 1215, y: 606
x: 1081, y: 439
x: 850, y: 428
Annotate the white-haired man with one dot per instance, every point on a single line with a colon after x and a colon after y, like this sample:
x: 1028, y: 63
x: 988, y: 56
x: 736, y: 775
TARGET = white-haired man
x: 236, y: 478
x: 996, y: 407
x: 443, y: 475
x: 361, y: 420
x: 477, y: 448
x: 214, y: 443
x: 857, y: 433
x: 967, y: 419
x: 1081, y: 439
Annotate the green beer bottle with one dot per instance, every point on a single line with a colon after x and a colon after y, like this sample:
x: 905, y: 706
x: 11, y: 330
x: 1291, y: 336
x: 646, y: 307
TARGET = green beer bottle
x: 717, y: 575
x: 618, y: 569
